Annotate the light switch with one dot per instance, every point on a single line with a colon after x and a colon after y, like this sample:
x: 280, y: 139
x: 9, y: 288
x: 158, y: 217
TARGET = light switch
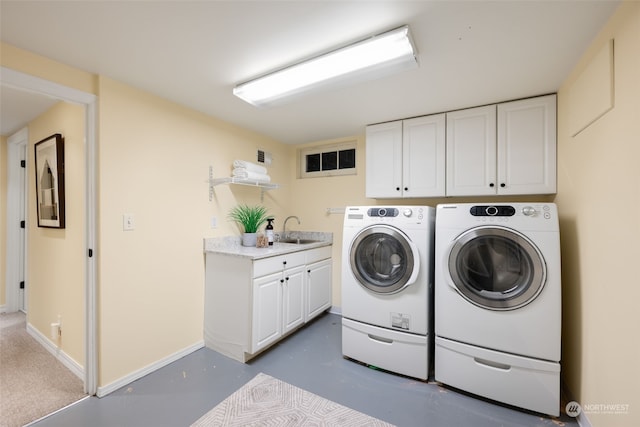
x: 128, y: 222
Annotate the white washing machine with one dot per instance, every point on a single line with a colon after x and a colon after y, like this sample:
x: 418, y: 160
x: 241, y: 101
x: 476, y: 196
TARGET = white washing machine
x: 498, y: 302
x: 387, y: 287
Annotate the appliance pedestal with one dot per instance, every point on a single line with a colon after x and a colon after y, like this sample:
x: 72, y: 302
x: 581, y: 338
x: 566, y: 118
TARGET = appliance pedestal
x: 394, y: 351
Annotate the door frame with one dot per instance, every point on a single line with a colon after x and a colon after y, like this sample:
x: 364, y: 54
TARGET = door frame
x: 34, y: 84
x: 16, y: 212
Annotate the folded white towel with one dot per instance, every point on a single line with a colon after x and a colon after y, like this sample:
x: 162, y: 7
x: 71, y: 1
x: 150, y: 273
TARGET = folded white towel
x: 249, y: 166
x: 250, y: 175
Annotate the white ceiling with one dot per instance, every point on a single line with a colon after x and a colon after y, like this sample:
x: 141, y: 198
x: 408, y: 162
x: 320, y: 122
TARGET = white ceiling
x: 194, y: 52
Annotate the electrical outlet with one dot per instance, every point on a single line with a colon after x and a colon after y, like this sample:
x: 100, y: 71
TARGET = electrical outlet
x: 214, y: 222
x: 128, y: 222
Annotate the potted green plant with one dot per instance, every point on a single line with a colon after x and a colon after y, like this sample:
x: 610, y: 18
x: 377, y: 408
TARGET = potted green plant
x: 250, y: 218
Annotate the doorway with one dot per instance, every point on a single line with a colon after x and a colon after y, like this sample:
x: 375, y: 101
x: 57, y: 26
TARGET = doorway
x: 18, y: 80
x: 16, y: 299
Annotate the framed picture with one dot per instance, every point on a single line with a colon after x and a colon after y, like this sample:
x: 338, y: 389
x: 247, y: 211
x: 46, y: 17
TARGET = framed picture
x: 50, y: 181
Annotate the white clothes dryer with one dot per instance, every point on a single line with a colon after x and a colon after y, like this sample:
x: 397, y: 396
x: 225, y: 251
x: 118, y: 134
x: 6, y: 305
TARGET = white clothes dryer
x: 498, y: 302
x: 387, y: 287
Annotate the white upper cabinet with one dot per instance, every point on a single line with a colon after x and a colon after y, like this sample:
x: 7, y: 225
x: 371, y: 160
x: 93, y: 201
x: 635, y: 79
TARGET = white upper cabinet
x: 384, y: 160
x: 506, y: 149
x: 527, y: 146
x: 471, y: 151
x: 498, y: 149
x: 406, y: 158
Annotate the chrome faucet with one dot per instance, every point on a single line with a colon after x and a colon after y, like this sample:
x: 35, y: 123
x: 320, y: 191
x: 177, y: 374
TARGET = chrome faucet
x: 284, y: 226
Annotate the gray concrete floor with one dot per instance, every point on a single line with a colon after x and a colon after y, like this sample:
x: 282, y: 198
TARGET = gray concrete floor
x: 180, y: 393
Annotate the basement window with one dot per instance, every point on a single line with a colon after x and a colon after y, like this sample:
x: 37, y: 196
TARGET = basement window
x: 328, y: 160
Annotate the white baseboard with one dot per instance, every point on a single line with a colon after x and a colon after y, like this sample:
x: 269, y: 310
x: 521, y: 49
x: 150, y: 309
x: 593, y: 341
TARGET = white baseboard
x: 581, y: 419
x: 110, y: 388
x: 335, y: 310
x: 64, y: 358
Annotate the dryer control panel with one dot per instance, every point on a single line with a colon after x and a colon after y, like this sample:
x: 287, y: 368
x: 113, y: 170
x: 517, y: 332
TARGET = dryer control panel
x: 492, y: 210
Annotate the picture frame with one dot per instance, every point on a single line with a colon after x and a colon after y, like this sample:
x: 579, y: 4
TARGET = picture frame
x: 49, y: 161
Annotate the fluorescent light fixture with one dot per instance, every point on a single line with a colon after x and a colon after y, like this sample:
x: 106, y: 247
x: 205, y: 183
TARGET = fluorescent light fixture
x: 372, y: 57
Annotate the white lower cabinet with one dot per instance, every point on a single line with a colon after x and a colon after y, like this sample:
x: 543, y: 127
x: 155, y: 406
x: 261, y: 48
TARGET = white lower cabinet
x: 278, y: 306
x: 318, y: 293
x: 251, y: 304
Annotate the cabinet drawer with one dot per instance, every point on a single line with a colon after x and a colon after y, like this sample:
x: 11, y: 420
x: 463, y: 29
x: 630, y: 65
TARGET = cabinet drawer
x: 278, y: 263
x: 318, y: 254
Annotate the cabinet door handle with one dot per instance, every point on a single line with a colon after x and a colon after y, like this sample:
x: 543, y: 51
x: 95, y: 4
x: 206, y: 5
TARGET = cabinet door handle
x: 503, y: 185
x: 284, y: 262
x: 406, y: 188
x: 281, y: 281
x: 308, y: 271
x: 397, y: 188
x: 491, y: 185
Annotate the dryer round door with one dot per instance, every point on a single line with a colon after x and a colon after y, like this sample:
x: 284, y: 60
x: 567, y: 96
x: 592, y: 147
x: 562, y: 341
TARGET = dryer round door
x: 383, y: 259
x: 496, y: 268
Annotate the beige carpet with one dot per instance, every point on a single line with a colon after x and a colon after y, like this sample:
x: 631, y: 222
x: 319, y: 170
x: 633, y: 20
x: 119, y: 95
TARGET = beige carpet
x: 32, y: 382
x: 267, y: 401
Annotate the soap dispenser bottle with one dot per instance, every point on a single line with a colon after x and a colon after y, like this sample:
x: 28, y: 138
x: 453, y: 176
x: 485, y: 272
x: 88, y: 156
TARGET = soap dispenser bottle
x: 269, y: 231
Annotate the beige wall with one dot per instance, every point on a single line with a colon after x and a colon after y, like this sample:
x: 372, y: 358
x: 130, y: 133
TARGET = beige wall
x: 154, y: 159
x: 599, y: 200
x: 39, y: 66
x: 3, y: 221
x: 55, y: 257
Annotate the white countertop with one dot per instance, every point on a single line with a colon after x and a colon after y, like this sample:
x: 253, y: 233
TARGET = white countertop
x: 231, y: 245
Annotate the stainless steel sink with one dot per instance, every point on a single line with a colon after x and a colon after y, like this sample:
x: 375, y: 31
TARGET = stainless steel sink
x: 299, y: 241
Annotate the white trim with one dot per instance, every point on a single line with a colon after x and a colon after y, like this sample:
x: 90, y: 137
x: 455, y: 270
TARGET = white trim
x: 128, y: 379
x: 581, y: 419
x: 3, y: 308
x: 56, y: 411
x: 15, y: 144
x: 63, y: 357
x: 34, y: 84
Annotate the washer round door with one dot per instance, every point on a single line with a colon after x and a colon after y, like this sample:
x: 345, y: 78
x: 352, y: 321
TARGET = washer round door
x: 496, y: 268
x: 383, y: 259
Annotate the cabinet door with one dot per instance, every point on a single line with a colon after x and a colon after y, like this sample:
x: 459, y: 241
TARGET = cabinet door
x: 318, y: 288
x: 384, y: 160
x: 527, y: 146
x: 267, y: 311
x: 471, y: 151
x: 423, y: 153
x: 293, y: 296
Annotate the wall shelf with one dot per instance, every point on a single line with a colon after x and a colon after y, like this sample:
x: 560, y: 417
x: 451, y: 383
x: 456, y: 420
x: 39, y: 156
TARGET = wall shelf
x: 264, y: 186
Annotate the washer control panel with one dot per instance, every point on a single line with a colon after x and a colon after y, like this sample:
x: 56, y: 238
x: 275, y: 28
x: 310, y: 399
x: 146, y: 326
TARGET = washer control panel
x: 383, y: 212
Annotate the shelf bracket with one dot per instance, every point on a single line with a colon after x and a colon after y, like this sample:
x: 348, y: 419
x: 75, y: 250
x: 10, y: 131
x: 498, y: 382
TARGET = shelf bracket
x: 234, y: 180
